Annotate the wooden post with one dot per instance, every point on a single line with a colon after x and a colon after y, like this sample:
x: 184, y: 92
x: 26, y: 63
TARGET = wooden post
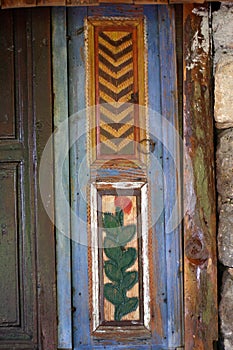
x: 200, y: 287
x: 42, y: 108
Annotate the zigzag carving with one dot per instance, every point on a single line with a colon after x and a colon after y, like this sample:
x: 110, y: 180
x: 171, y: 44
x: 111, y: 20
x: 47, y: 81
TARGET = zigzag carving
x: 120, y: 148
x: 108, y: 70
x: 116, y: 84
x: 108, y: 116
x: 116, y: 79
x: 120, y: 39
x: 113, y: 130
x: 113, y: 66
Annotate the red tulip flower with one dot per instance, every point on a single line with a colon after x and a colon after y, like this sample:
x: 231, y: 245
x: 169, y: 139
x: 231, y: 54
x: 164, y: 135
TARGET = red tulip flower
x: 124, y: 203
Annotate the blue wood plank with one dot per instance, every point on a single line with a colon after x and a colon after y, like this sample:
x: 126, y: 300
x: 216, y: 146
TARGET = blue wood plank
x: 121, y: 10
x: 123, y: 347
x: 61, y: 145
x: 171, y: 166
x: 78, y: 170
x: 155, y: 171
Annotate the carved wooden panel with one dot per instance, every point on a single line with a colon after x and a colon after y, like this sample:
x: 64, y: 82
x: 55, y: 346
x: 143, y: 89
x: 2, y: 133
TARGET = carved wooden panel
x: 115, y: 82
x: 120, y: 266
x: 119, y: 259
x: 116, y: 52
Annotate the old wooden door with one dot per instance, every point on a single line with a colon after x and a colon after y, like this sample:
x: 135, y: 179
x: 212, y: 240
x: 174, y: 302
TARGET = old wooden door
x: 118, y: 249
x: 27, y: 247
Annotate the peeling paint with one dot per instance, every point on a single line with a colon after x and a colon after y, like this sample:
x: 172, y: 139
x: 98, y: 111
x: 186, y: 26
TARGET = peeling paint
x: 200, y: 221
x: 189, y: 195
x: 200, y: 41
x: 204, y: 27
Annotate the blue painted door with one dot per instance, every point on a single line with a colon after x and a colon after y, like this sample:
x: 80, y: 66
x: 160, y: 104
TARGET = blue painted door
x: 115, y: 75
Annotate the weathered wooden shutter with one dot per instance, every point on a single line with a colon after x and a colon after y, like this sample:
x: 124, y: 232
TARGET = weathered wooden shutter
x: 201, y: 315
x: 94, y: 35
x: 27, y: 273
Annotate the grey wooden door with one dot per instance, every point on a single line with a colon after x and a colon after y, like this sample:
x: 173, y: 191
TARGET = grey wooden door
x: 27, y: 259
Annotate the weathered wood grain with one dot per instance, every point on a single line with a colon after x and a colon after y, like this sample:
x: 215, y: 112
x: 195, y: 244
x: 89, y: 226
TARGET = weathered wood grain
x: 199, y: 187
x: 165, y: 325
x: 51, y: 3
x: 61, y: 143
x: 76, y: 84
x: 19, y: 306
x: 42, y: 109
x: 32, y: 3
x: 171, y: 171
x: 17, y: 3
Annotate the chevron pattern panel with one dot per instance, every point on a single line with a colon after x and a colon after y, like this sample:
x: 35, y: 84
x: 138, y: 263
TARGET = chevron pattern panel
x: 116, y: 71
x: 116, y: 86
x: 116, y: 76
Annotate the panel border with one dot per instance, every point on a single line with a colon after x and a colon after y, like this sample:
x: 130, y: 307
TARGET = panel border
x: 97, y: 329
x: 90, y: 23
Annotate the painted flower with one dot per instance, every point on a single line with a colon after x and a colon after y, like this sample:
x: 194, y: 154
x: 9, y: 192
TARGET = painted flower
x: 124, y: 203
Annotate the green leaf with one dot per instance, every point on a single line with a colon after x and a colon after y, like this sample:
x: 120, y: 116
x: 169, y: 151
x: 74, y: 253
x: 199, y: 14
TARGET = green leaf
x: 110, y: 220
x: 112, y: 271
x: 130, y: 279
x: 126, y: 234
x: 128, y: 258
x: 109, y: 242
x: 120, y: 215
x: 111, y: 251
x: 112, y: 294
x: 123, y: 309
x: 111, y: 225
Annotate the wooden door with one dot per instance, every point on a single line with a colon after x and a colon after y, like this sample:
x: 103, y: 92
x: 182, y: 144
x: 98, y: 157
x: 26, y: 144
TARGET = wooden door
x: 120, y: 278
x: 27, y: 259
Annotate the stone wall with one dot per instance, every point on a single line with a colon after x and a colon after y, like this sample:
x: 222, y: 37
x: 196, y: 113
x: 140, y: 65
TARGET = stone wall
x: 222, y: 25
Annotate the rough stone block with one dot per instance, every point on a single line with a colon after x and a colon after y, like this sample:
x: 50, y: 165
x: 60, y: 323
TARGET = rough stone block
x: 226, y: 309
x: 222, y: 25
x: 224, y: 160
x: 223, y: 93
x: 225, y: 235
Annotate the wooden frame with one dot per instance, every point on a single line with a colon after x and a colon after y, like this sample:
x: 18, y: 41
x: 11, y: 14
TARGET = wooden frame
x: 136, y: 26
x: 143, y: 327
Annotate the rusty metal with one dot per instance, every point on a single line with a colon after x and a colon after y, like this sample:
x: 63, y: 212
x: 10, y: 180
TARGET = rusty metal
x: 200, y: 265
